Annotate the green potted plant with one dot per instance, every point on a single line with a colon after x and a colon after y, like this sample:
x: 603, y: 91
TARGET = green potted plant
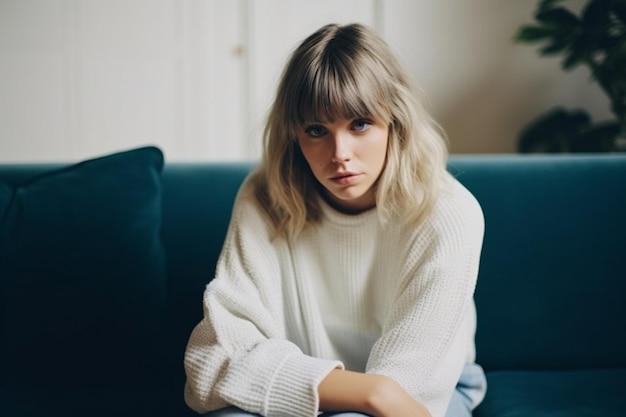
x: 595, y: 38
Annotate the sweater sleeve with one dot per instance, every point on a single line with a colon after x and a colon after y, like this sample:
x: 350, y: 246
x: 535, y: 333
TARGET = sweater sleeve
x: 238, y: 355
x: 427, y: 331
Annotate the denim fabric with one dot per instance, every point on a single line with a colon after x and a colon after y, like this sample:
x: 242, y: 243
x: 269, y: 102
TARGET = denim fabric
x: 237, y: 412
x: 469, y: 392
x: 231, y: 412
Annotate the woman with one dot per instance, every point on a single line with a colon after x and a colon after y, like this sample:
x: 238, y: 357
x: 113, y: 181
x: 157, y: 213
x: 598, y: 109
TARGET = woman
x: 346, y: 280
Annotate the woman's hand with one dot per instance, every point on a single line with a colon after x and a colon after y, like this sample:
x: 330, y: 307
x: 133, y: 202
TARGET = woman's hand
x: 390, y: 400
x: 376, y: 395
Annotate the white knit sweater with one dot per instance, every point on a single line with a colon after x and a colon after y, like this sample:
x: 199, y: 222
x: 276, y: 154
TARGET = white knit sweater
x: 382, y: 299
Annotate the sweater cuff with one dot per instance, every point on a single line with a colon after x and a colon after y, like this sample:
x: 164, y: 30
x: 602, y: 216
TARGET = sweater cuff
x: 293, y: 391
x: 276, y: 379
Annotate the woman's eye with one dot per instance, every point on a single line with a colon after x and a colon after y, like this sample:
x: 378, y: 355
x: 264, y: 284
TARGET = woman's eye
x: 361, y: 125
x: 315, y: 131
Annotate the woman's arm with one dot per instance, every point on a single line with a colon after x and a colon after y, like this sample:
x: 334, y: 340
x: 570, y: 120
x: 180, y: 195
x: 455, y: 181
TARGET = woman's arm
x: 428, y: 332
x: 238, y: 354
x: 376, y: 395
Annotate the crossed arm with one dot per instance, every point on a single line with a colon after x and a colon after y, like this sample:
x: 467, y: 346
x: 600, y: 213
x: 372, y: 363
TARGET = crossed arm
x: 376, y: 395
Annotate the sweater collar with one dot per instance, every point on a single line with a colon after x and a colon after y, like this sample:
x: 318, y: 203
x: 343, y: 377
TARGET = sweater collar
x: 350, y: 220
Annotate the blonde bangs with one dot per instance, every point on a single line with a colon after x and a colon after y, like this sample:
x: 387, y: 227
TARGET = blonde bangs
x: 329, y: 97
x: 339, y: 85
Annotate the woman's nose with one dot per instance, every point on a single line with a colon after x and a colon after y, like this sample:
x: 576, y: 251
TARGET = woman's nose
x: 341, y: 149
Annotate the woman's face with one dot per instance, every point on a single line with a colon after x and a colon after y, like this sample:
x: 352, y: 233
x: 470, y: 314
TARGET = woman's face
x: 346, y: 157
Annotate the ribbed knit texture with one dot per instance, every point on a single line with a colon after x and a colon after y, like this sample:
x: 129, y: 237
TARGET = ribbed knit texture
x: 378, y: 298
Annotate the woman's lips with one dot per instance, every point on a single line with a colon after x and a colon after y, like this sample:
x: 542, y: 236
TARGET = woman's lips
x: 345, y: 178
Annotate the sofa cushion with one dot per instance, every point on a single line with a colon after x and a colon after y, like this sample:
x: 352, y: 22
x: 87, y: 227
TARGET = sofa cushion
x: 61, y: 402
x: 82, y: 275
x: 550, y: 292
x: 5, y: 199
x: 554, y: 393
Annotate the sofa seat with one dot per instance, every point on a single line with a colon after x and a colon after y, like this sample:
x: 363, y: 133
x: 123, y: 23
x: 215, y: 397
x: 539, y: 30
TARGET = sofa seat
x: 64, y: 401
x: 571, y: 393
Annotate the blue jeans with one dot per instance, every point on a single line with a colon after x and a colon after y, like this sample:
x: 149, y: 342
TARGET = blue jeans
x: 469, y: 392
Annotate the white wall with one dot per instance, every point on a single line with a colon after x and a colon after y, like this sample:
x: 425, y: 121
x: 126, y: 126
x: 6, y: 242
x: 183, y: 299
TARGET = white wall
x: 79, y: 78
x: 484, y: 88
x: 85, y: 77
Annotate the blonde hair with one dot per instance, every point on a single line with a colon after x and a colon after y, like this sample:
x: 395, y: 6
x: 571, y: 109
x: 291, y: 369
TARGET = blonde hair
x: 348, y: 71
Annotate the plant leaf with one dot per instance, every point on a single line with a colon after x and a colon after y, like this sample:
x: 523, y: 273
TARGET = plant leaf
x: 617, y: 56
x: 554, y: 131
x: 613, y: 73
x: 573, y: 58
x: 596, y: 15
x: 619, y: 7
x: 580, y: 51
x: 556, y: 46
x: 610, y: 43
x: 599, y: 137
x: 548, y: 4
x: 559, y: 17
x: 533, y: 33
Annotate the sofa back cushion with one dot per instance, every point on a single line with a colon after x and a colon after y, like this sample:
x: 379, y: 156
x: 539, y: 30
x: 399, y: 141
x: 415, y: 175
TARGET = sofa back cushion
x: 82, y: 276
x: 552, y: 282
x: 197, y: 204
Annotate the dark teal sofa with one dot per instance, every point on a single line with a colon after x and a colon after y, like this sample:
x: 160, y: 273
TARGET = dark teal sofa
x: 103, y: 265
